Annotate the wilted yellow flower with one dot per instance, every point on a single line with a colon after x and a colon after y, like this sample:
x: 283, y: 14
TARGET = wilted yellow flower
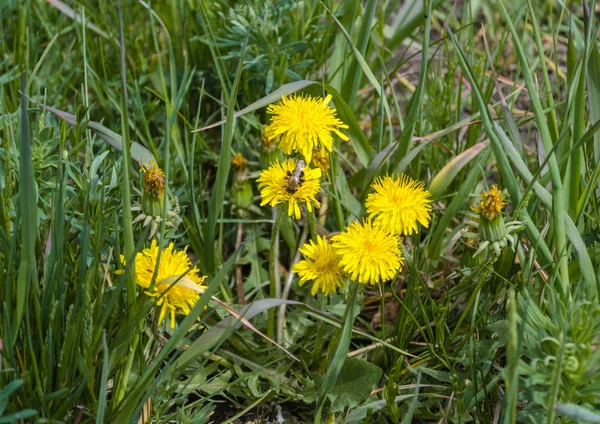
x: 239, y: 162
x: 321, y: 265
x: 368, y: 252
x: 178, y: 298
x: 303, y: 123
x: 277, y: 186
x: 492, y: 203
x: 398, y: 204
x: 154, y: 178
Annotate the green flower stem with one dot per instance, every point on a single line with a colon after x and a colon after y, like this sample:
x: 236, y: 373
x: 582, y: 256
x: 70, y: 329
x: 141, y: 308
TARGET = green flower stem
x: 312, y: 222
x: 338, y: 351
x: 272, y: 282
x: 320, y: 329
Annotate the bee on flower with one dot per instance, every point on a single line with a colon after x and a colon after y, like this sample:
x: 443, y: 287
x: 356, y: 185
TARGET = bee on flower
x: 290, y: 182
x: 303, y: 124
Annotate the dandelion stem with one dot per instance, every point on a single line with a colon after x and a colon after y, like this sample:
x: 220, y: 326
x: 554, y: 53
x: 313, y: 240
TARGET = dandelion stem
x: 320, y: 327
x: 313, y: 225
x: 272, y: 260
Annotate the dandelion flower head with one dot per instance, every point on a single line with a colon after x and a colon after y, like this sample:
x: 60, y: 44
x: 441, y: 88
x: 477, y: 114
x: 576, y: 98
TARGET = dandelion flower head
x: 368, y: 253
x: 275, y: 188
x: 492, y: 203
x: 398, y: 204
x: 303, y: 124
x: 321, y: 265
x: 176, y: 298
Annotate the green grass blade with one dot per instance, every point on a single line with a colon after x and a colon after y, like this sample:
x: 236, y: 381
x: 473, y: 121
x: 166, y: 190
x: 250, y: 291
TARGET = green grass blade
x: 593, y: 90
x: 558, y: 193
x: 339, y: 357
x: 353, y: 76
x: 442, y: 180
x: 414, y: 114
x: 218, y: 195
x: 103, y: 382
x: 363, y: 64
x: 28, y: 215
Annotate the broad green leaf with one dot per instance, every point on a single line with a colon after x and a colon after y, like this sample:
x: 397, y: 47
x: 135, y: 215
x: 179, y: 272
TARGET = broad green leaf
x: 347, y: 198
x: 585, y: 262
x: 28, y: 199
x: 354, y: 384
x: 138, y: 152
x: 442, y: 180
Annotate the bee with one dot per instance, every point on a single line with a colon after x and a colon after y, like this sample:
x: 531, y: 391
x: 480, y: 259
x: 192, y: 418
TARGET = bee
x: 296, y: 178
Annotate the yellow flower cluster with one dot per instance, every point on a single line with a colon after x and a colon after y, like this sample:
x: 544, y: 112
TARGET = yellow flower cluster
x: 304, y: 125
x: 369, y: 252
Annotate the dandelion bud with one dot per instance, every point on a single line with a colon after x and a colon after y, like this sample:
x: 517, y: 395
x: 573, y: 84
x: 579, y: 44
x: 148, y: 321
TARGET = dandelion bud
x: 154, y: 189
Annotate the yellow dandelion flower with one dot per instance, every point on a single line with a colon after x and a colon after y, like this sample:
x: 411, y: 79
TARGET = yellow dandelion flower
x: 154, y: 178
x: 303, y: 123
x: 321, y: 265
x: 398, y: 204
x: 178, y: 298
x: 368, y: 253
x: 492, y: 203
x: 278, y: 185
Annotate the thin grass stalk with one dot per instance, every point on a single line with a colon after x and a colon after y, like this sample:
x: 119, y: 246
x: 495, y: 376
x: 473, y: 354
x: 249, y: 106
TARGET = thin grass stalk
x: 218, y: 195
x: 579, y: 122
x: 272, y: 265
x: 417, y: 99
x: 557, y: 186
x: 552, y: 122
x: 127, y: 218
x: 170, y: 115
x: 512, y: 356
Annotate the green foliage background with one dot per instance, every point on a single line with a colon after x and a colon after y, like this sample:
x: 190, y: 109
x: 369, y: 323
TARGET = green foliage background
x: 460, y: 95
